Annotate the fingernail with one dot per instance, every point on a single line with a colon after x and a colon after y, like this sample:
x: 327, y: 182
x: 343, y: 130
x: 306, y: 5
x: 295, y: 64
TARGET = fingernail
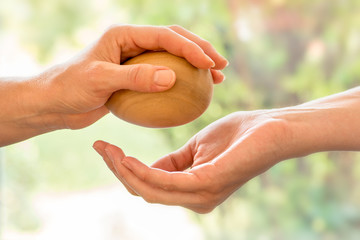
x: 222, y: 75
x: 164, y: 78
x: 212, y: 61
x: 109, y: 154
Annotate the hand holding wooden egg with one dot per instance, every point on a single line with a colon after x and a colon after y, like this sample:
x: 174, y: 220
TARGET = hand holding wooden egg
x: 183, y: 103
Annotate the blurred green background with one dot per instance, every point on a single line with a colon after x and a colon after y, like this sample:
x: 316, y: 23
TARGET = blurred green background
x: 281, y: 53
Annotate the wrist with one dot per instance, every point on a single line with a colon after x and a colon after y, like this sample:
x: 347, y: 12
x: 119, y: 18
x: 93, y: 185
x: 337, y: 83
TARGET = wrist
x: 326, y: 124
x: 307, y: 130
x: 25, y: 112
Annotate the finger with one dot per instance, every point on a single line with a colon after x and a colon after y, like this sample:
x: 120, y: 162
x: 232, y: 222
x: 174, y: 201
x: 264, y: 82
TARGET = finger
x: 81, y: 120
x: 110, y: 77
x: 169, y: 181
x: 151, y: 193
x: 220, y: 61
x: 201, y: 201
x: 218, y: 76
x: 179, y: 160
x: 163, y: 38
x: 100, y: 147
x: 154, y: 194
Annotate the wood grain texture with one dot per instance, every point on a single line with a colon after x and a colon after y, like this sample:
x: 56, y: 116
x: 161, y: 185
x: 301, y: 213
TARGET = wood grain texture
x: 183, y: 103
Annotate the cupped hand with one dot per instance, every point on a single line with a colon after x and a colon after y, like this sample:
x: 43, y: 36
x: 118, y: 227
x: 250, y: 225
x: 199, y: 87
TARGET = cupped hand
x: 211, y: 166
x: 78, y: 89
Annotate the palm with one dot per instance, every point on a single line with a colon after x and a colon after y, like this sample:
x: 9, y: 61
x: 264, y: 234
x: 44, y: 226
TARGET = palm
x: 249, y: 148
x: 211, y: 166
x: 212, y: 144
x: 215, y: 140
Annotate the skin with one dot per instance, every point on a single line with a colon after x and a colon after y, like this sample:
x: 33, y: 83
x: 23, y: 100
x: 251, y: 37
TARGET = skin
x: 72, y: 95
x: 229, y: 152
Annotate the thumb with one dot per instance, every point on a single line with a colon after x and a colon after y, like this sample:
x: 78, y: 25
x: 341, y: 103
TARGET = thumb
x: 179, y: 160
x: 141, y: 77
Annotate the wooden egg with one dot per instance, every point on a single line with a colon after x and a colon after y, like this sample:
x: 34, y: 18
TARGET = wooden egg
x: 184, y: 102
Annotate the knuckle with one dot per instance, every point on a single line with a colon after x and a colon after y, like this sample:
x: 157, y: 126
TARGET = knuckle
x: 116, y: 31
x: 206, y: 44
x: 145, y: 176
x: 140, y: 77
x: 168, y: 186
x: 164, y: 31
x: 116, y: 27
x: 173, y: 161
x: 134, y: 74
x: 109, y: 31
x: 94, y: 70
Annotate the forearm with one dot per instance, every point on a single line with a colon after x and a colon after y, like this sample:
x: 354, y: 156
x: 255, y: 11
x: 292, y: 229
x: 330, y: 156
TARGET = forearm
x: 24, y: 109
x: 340, y: 120
x: 328, y: 124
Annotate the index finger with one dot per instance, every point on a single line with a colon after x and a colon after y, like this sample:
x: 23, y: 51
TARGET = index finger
x: 220, y: 61
x: 163, y: 38
x: 169, y: 181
